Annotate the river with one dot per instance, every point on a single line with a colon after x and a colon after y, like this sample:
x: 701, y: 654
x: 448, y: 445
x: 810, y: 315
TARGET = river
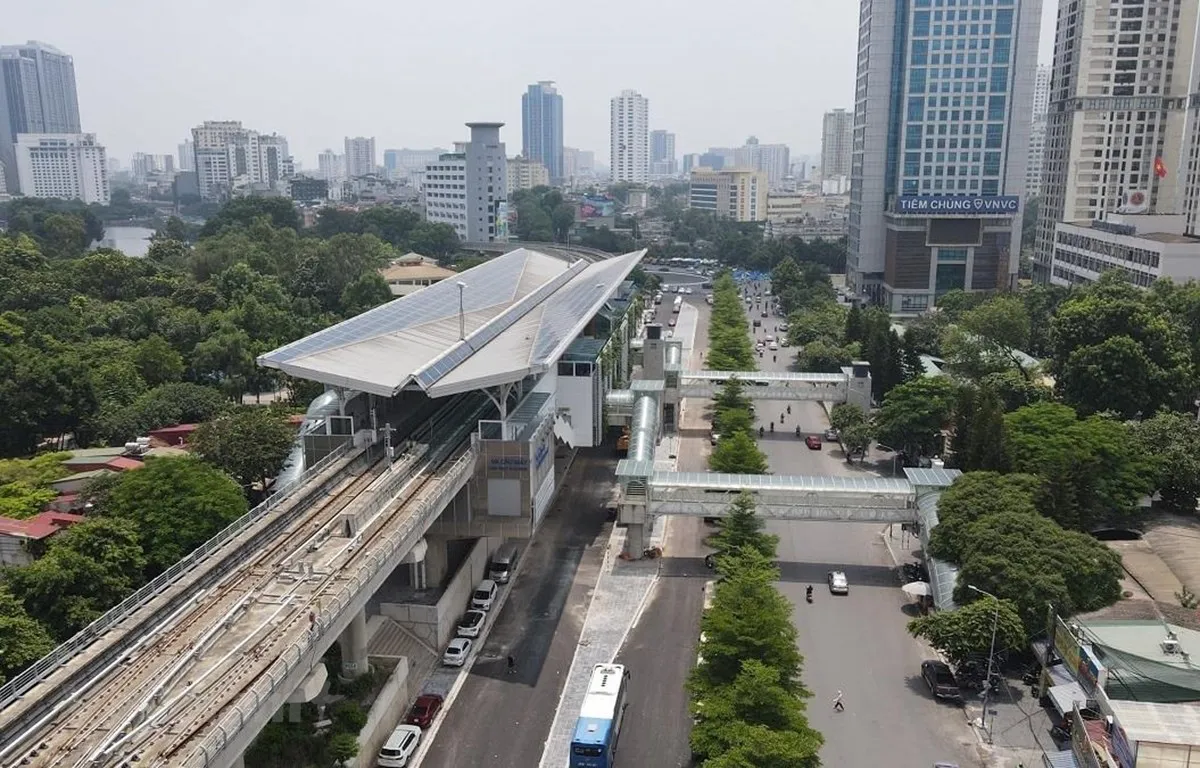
x: 132, y: 241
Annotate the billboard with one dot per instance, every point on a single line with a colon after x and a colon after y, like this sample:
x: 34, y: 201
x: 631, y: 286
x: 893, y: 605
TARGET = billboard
x: 594, y: 207
x: 1078, y: 658
x: 959, y: 204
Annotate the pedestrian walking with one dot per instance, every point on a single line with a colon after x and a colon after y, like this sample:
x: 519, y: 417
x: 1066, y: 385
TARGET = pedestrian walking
x: 512, y: 666
x: 838, y: 706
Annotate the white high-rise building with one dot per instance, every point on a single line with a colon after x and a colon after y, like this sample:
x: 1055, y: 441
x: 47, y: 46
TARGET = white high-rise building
x: 210, y: 142
x: 360, y: 156
x: 228, y: 156
x: 468, y: 188
x: 37, y: 95
x: 629, y: 128
x: 836, y: 136
x: 71, y: 166
x: 187, y: 156
x: 772, y: 159
x: 1124, y: 75
x: 332, y: 167
x: 1037, y: 135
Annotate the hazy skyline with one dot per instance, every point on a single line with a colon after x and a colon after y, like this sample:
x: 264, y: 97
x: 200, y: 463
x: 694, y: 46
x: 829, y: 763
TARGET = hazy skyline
x: 411, y: 74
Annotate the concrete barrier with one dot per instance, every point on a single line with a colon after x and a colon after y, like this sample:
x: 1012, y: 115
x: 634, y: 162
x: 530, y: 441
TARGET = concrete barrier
x: 384, y: 715
x: 434, y: 624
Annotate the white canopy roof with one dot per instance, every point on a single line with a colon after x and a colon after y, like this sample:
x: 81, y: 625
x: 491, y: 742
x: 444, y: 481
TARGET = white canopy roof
x: 519, y: 312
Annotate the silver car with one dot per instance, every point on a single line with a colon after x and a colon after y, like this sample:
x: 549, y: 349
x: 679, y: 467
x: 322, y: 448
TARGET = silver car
x: 838, y: 584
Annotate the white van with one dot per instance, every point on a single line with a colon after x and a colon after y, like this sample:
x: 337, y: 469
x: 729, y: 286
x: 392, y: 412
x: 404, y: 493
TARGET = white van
x: 399, y: 747
x: 504, y: 562
x: 484, y: 595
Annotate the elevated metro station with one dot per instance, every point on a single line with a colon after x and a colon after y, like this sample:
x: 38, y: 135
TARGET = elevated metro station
x: 444, y: 413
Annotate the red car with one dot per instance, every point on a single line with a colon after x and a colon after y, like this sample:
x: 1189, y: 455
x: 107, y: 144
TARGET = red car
x: 813, y: 442
x: 424, y: 709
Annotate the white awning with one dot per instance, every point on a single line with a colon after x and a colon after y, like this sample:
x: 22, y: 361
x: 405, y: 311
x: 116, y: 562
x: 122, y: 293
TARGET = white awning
x: 1065, y: 697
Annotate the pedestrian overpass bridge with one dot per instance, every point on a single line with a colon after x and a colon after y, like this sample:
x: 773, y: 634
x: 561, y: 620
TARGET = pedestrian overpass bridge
x: 759, y: 385
x: 650, y: 493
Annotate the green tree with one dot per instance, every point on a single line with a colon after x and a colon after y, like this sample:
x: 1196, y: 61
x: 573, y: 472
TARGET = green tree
x: 742, y: 528
x: 342, y: 747
x: 755, y: 721
x: 973, y: 496
x: 157, y: 362
x: 177, y: 504
x: 1114, y: 350
x: 737, y: 453
x: 86, y: 570
x: 250, y: 443
x: 914, y: 413
x: 854, y: 428
x: 1092, y: 467
x: 826, y: 322
x: 279, y: 212
x: 436, y: 240
x: 823, y: 357
x: 1172, y: 441
x: 978, y: 440
x: 367, y: 291
x: 989, y: 337
x: 748, y: 619
x: 22, y: 639
x: 966, y: 632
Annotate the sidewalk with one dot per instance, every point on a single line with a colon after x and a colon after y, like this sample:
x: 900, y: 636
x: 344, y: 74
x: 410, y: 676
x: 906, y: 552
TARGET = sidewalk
x: 617, y: 603
x: 622, y: 592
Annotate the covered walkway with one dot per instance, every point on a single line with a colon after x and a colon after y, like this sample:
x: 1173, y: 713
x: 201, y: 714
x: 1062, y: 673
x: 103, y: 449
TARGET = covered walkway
x: 825, y: 387
x: 795, y: 497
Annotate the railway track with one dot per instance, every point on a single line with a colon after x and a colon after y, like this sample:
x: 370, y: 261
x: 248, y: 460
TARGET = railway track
x: 201, y: 653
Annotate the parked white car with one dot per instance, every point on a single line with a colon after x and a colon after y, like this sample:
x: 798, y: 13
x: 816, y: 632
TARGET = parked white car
x: 457, y: 652
x: 399, y: 747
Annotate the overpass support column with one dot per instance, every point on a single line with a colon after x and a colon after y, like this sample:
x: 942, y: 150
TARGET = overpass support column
x: 635, y: 540
x: 238, y: 762
x: 354, y: 646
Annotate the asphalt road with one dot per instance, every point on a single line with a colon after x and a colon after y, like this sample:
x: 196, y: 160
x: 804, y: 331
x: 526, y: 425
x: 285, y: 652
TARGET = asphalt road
x: 501, y: 720
x: 661, y: 650
x: 856, y: 643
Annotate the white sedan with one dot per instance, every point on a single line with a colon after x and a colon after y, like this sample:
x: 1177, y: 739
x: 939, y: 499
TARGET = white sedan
x: 457, y: 652
x: 838, y: 584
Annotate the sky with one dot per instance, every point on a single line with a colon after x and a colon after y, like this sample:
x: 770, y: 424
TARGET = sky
x: 412, y: 72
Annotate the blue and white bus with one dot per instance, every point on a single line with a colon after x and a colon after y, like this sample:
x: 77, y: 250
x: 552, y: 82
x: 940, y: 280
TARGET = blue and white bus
x: 594, y: 744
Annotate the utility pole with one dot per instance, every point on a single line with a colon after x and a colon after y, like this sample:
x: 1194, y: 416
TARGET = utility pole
x: 987, y: 684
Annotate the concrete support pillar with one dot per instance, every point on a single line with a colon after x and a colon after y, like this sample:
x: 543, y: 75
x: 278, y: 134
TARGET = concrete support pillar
x: 238, y: 762
x: 354, y: 646
x: 635, y: 540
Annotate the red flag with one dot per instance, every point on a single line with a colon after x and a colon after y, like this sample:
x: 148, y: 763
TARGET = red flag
x: 1160, y: 168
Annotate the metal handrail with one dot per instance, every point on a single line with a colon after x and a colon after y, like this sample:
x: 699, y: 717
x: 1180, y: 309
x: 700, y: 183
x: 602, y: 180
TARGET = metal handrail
x: 122, y: 610
x: 308, y: 646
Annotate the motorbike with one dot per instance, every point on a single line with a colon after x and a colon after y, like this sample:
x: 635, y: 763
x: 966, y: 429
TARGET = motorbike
x: 808, y: 594
x: 797, y: 430
x: 710, y: 562
x: 761, y: 431
x: 772, y: 426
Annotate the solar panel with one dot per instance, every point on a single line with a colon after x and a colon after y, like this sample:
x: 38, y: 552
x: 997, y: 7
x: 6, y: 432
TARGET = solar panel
x: 571, y: 308
x: 491, y: 283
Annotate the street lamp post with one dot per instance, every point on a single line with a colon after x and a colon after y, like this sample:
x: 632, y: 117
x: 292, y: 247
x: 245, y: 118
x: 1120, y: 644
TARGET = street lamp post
x: 462, y: 318
x: 987, y: 683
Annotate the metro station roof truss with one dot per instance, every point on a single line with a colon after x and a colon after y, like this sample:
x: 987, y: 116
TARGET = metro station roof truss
x: 508, y: 318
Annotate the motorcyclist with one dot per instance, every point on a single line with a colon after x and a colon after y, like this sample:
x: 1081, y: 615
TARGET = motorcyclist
x: 760, y: 431
x: 808, y: 593
x: 789, y: 409
x: 772, y: 426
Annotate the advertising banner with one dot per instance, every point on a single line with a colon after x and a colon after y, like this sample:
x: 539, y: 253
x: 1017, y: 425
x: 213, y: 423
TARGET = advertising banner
x: 959, y: 204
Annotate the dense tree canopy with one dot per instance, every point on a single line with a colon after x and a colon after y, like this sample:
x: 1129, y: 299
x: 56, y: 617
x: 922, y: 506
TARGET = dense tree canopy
x: 249, y: 443
x: 176, y: 504
x: 990, y: 524
x: 967, y: 632
x: 1094, y: 471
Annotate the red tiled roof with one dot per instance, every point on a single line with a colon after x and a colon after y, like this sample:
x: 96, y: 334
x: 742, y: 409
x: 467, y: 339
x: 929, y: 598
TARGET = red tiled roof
x: 122, y: 463
x: 39, y: 526
x: 178, y: 429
